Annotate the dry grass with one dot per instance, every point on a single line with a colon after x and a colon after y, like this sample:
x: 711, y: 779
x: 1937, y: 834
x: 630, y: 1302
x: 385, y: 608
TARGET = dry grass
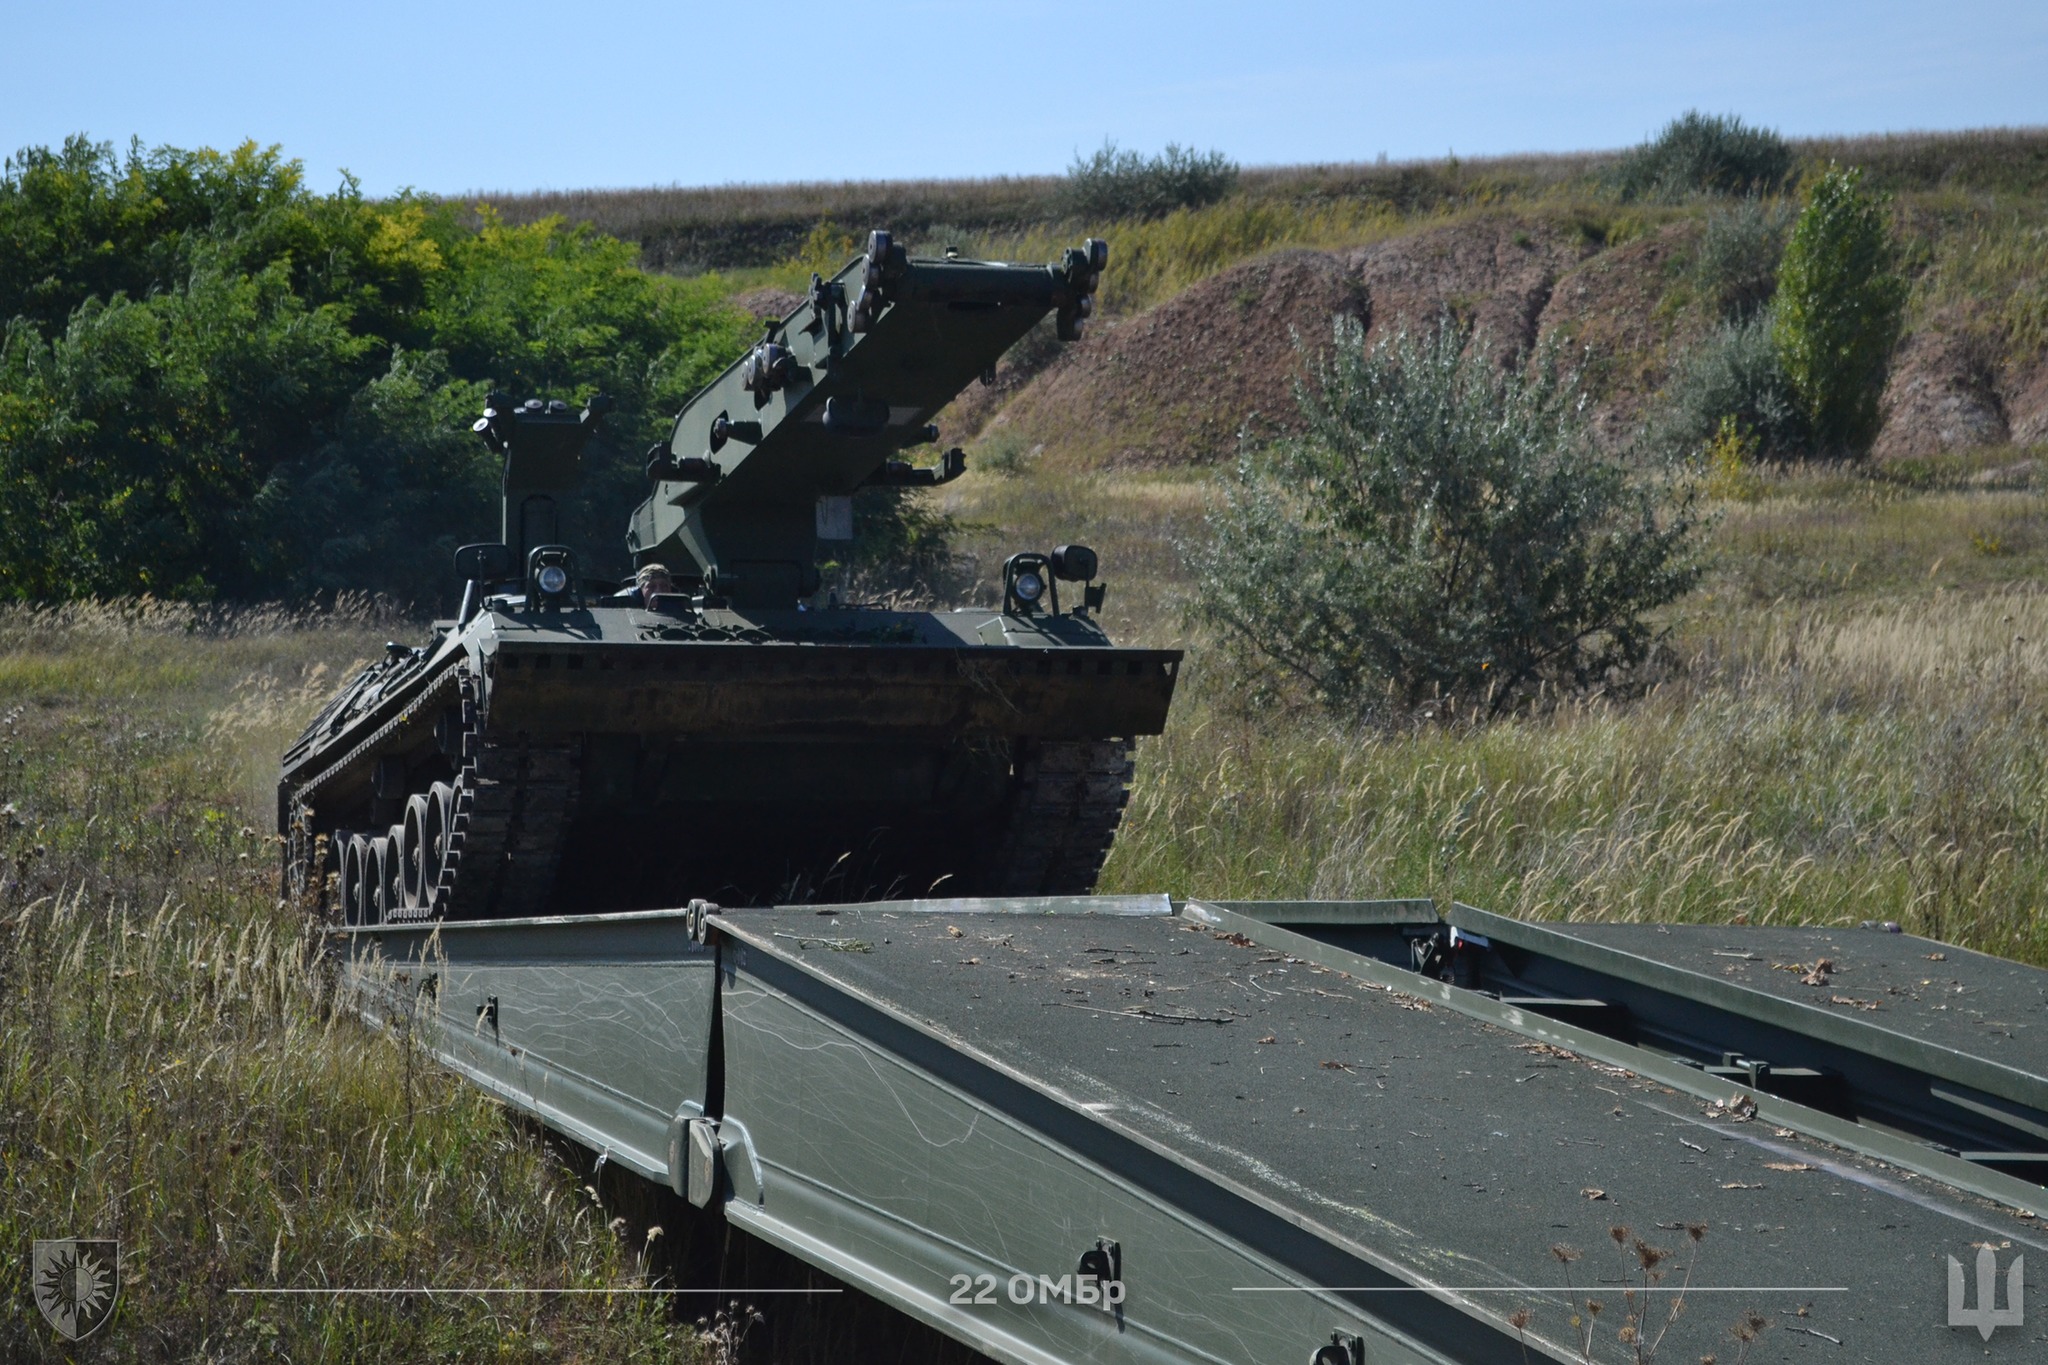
x: 1788, y: 779
x: 174, y: 1068
x: 1132, y: 523
x: 1869, y: 541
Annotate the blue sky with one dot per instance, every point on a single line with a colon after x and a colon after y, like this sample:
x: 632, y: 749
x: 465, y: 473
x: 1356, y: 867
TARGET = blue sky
x: 515, y: 95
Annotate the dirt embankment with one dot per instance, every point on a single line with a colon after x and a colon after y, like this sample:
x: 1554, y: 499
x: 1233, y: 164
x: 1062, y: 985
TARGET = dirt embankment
x: 1955, y: 384
x: 1175, y: 385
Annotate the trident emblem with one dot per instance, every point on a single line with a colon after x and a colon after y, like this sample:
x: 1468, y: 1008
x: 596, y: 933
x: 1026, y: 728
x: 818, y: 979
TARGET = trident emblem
x: 1986, y: 1317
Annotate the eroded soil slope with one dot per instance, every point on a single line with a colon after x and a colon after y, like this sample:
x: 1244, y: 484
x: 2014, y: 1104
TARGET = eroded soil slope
x: 1175, y: 385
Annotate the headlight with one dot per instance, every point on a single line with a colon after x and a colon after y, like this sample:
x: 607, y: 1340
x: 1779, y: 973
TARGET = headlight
x: 553, y: 578
x: 1029, y: 587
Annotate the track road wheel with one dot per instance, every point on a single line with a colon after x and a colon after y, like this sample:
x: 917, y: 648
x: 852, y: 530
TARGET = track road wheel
x: 377, y: 881
x: 354, y: 903
x: 418, y: 881
x: 440, y: 822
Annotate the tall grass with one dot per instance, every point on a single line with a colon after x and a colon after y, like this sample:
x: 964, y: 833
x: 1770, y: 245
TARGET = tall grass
x: 1807, y: 767
x: 176, y: 1070
x: 1152, y: 259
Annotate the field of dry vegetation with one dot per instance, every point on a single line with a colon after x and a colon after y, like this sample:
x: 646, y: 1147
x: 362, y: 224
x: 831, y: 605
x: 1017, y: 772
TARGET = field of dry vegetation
x: 1848, y: 720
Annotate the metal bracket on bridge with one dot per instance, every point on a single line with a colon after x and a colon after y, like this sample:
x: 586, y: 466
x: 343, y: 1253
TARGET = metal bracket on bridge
x: 696, y: 1158
x: 696, y: 918
x: 706, y: 1163
x: 1344, y: 1349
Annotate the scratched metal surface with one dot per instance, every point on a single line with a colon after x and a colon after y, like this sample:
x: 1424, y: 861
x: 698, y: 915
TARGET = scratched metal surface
x: 1947, y: 996
x: 1461, y: 1151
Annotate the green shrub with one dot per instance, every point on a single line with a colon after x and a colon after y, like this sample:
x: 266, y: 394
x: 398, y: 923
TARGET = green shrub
x: 1440, y: 529
x: 1736, y: 270
x: 1120, y: 184
x: 1706, y: 154
x: 1733, y: 374
x: 1838, y: 312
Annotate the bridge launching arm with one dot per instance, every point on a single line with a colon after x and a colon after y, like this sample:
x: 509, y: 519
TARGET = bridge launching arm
x: 758, y: 465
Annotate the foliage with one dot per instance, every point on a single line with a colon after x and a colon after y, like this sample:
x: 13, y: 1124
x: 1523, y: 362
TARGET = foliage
x: 1706, y: 154
x: 1839, y: 308
x: 1736, y: 270
x: 1734, y: 373
x: 748, y: 227
x: 1441, y: 529
x: 214, y: 382
x: 1003, y: 451
x: 1853, y: 723
x: 1111, y: 183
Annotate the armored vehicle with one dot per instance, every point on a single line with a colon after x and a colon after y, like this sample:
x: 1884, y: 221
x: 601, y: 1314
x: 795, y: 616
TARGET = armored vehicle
x: 712, y: 729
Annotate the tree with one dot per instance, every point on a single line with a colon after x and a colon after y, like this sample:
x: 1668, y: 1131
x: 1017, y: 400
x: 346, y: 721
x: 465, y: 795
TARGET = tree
x: 217, y: 383
x: 1838, y: 311
x: 1439, y: 528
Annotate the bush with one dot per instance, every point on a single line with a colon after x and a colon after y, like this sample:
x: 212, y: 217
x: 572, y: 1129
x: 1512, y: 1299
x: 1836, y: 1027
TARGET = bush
x: 1839, y: 308
x: 1119, y: 184
x: 1736, y: 270
x: 1441, y: 528
x: 1734, y: 374
x: 1706, y: 154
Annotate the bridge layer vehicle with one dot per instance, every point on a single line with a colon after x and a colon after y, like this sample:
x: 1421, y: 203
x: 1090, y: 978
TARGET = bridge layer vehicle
x: 726, y: 724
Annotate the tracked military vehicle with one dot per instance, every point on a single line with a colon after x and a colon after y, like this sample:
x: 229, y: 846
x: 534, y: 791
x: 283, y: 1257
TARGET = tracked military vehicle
x: 720, y: 732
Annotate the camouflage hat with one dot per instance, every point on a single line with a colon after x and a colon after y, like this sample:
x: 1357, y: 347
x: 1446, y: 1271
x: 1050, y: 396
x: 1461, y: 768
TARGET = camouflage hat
x: 650, y: 571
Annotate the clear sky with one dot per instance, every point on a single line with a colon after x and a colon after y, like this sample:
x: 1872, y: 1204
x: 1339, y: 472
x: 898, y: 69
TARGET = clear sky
x: 453, y: 95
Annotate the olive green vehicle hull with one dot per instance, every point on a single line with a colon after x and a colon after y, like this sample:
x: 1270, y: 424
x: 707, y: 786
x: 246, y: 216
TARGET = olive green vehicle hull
x: 616, y: 758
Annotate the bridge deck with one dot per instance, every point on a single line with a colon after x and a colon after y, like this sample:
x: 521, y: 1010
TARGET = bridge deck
x: 1282, y: 1141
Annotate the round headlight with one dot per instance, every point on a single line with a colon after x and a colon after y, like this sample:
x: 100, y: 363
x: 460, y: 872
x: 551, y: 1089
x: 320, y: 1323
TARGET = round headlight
x: 553, y: 578
x: 1030, y: 587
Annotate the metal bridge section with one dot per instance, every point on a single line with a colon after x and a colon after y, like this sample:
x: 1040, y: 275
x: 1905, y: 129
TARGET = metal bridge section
x: 1124, y: 1129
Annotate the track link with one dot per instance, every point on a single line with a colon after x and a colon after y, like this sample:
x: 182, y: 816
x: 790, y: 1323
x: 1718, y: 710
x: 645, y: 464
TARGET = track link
x: 1070, y: 799
x: 514, y: 799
